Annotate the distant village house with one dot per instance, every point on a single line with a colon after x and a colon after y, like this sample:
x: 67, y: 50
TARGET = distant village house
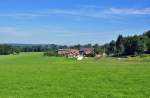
x: 68, y: 52
x: 86, y: 51
x: 76, y: 52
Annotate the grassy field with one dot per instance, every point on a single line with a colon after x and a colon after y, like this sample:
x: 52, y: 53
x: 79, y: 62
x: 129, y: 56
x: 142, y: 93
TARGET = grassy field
x: 31, y: 75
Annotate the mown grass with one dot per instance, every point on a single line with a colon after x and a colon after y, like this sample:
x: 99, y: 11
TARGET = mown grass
x: 32, y: 75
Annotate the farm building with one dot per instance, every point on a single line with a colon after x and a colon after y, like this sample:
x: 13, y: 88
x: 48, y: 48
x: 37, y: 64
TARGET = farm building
x: 86, y: 51
x: 75, y: 52
x: 68, y: 52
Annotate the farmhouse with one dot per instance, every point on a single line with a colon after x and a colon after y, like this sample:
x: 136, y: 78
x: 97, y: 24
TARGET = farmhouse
x: 68, y: 52
x: 75, y: 52
x: 86, y: 51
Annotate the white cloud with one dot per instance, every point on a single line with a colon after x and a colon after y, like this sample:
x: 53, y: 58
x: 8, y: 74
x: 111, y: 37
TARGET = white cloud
x: 14, y: 31
x: 88, y: 11
x: 7, y: 29
x: 129, y: 11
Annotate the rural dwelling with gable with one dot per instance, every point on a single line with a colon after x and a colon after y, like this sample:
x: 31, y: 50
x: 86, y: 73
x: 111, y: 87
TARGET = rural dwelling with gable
x: 87, y: 52
x: 69, y: 52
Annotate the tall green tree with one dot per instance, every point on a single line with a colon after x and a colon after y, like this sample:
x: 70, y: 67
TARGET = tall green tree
x: 120, y: 45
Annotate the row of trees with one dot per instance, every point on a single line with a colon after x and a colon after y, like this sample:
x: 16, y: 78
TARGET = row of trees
x: 8, y: 49
x: 38, y: 47
x: 131, y: 45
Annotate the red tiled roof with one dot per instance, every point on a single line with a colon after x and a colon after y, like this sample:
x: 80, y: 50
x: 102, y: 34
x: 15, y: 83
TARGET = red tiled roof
x: 68, y: 52
x: 88, y: 50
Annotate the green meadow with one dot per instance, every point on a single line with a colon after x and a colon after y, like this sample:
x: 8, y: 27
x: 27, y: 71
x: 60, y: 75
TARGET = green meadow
x: 32, y: 75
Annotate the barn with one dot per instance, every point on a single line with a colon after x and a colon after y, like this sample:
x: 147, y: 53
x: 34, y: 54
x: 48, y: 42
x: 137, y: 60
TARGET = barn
x: 87, y: 51
x: 69, y: 52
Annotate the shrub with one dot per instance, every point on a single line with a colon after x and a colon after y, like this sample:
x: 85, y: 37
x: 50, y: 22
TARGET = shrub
x: 51, y: 53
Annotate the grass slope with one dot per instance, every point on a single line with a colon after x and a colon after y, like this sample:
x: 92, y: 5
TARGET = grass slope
x: 31, y: 75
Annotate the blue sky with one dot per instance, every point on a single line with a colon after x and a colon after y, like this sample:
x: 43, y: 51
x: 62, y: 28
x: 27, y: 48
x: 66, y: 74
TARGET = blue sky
x: 71, y: 21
